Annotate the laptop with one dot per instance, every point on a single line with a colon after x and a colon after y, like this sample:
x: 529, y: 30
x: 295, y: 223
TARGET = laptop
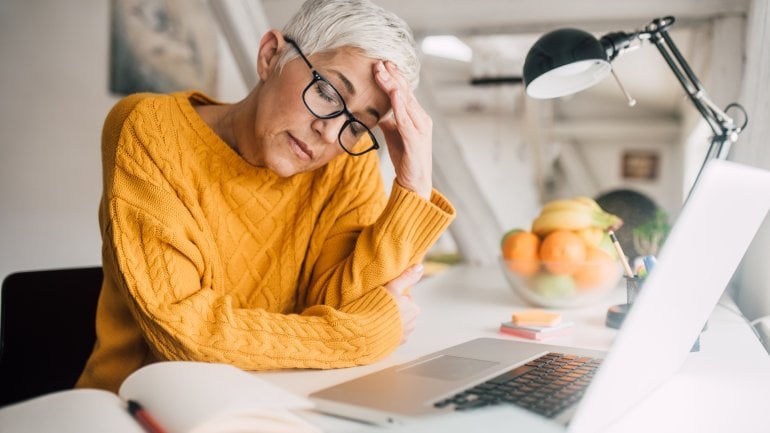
x: 705, y: 246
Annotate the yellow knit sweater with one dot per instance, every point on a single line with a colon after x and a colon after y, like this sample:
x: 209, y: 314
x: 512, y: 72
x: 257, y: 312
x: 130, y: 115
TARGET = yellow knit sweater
x: 209, y: 258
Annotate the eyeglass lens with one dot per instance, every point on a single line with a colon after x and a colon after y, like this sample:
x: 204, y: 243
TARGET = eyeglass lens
x: 324, y: 101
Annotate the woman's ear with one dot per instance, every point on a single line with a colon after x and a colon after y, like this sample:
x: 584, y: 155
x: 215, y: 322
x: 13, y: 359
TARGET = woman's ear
x: 270, y: 46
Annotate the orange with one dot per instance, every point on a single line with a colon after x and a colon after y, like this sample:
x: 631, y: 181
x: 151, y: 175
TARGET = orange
x: 563, y: 252
x: 520, y: 249
x: 599, y: 269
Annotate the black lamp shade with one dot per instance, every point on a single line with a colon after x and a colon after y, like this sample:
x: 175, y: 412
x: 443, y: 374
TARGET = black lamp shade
x: 563, y: 62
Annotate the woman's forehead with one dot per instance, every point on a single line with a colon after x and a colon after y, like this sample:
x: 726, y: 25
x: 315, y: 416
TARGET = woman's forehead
x: 352, y: 73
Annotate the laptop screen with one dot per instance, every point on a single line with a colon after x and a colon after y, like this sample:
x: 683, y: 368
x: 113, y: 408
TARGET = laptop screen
x: 705, y: 246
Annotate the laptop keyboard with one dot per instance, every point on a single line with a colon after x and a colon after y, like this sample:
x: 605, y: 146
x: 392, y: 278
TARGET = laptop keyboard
x: 546, y: 385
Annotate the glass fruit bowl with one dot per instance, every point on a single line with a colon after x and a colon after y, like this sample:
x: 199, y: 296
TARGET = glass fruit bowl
x: 562, y: 285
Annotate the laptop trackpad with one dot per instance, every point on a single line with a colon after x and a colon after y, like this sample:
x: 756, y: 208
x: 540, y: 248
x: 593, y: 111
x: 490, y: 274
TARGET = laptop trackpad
x: 449, y: 367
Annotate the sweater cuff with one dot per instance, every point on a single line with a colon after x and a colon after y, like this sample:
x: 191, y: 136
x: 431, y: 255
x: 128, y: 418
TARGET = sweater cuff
x: 412, y: 220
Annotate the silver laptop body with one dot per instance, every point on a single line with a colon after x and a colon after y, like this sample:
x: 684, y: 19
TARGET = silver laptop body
x: 695, y: 265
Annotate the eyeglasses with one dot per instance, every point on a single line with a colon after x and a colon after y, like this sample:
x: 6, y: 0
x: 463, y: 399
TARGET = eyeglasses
x: 325, y: 102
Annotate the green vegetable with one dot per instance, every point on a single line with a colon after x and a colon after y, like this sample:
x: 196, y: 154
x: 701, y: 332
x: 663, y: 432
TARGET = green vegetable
x: 650, y: 236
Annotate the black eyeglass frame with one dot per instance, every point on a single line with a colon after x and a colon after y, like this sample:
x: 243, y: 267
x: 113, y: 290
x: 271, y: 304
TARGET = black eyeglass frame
x: 344, y: 110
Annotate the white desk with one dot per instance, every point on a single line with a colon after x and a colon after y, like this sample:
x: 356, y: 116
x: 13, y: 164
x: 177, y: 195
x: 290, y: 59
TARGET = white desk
x: 724, y: 387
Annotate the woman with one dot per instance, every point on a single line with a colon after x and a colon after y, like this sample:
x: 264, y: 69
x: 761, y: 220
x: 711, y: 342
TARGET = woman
x: 259, y: 233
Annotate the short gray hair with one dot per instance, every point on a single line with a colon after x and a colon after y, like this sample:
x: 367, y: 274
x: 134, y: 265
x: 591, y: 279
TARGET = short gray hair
x: 322, y: 25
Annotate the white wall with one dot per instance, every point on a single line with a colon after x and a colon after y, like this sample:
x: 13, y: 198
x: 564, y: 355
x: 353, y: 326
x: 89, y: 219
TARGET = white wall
x: 54, y: 97
x: 53, y: 83
x: 501, y: 163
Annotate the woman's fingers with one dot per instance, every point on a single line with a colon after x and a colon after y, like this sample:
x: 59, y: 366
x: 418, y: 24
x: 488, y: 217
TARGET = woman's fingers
x: 391, y: 83
x: 408, y: 309
x: 405, y: 104
x: 400, y: 113
x: 400, y: 285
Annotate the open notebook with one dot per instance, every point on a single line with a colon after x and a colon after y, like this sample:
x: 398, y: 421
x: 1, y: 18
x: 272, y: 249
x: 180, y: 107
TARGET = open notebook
x: 707, y: 243
x: 183, y: 397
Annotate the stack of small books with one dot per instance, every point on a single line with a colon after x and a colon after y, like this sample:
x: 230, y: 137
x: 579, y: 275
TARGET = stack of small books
x: 536, y: 325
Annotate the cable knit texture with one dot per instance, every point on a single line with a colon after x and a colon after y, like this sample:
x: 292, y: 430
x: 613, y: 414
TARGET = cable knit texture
x: 209, y: 258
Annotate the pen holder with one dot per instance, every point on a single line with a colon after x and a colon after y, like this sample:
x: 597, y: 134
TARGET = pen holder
x: 633, y: 286
x: 617, y: 313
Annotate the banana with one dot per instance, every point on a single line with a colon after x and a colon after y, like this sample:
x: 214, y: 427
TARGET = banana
x: 566, y: 204
x: 578, y: 213
x: 562, y: 219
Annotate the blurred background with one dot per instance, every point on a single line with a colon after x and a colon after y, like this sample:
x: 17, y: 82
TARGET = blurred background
x: 498, y: 154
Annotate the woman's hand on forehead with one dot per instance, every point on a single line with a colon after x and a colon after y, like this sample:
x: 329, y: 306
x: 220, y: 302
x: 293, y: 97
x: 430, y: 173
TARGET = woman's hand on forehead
x: 408, y: 131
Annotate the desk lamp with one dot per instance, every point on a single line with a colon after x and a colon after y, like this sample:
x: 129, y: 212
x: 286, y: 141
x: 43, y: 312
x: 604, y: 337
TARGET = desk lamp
x: 566, y: 61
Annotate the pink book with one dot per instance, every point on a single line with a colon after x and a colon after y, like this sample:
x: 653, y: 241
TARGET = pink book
x: 533, y: 333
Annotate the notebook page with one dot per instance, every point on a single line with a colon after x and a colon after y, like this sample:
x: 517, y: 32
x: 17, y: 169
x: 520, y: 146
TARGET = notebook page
x: 185, y: 395
x: 71, y: 411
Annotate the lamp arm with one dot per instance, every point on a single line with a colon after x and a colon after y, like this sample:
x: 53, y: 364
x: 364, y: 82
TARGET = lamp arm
x: 724, y: 128
x: 719, y: 122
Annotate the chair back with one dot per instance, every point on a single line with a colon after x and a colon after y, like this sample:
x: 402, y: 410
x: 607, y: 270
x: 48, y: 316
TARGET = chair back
x: 47, y: 330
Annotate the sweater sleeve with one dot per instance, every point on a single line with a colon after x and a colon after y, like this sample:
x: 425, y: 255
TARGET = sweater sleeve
x: 359, y: 254
x: 176, y: 295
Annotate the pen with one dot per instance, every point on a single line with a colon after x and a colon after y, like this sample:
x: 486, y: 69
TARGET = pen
x: 619, y: 249
x: 141, y: 416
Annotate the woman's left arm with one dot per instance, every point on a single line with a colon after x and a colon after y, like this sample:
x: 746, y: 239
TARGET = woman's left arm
x: 356, y: 259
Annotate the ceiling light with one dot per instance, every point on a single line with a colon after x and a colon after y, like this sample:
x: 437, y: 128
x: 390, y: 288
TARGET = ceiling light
x: 447, y: 46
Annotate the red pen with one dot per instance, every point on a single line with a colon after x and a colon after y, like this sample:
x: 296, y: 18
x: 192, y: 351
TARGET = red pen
x: 141, y: 415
